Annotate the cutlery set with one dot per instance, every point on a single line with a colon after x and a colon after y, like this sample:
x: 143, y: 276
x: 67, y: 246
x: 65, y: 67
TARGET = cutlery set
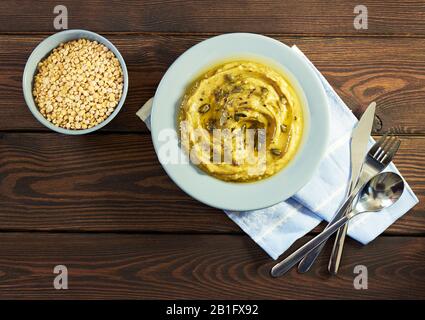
x: 370, y: 190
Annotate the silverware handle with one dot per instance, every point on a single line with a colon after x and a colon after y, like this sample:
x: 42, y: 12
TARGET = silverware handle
x: 309, y: 259
x: 283, y: 266
x: 336, y: 255
x: 338, y: 246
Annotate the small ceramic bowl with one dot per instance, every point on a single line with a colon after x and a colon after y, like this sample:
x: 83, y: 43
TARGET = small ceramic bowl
x: 241, y: 196
x: 42, y: 51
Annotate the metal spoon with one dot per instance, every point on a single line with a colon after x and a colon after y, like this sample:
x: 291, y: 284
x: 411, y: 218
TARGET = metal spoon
x: 380, y: 192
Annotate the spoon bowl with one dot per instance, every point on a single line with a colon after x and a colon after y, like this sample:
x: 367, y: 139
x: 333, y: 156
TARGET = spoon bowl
x: 380, y: 192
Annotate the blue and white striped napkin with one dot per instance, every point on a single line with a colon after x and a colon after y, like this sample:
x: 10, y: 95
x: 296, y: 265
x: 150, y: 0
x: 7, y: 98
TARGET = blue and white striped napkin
x: 276, y: 228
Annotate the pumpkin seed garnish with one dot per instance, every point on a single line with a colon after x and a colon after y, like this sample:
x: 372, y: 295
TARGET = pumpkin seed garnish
x: 204, y: 108
x: 218, y: 94
x: 276, y: 152
x: 239, y: 115
x: 228, y: 77
x: 236, y: 89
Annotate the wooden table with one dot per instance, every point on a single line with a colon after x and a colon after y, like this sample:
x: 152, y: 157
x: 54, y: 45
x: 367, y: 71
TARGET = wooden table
x: 103, y: 206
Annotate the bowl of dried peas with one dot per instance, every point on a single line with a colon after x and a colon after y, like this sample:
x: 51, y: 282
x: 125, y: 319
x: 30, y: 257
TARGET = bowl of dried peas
x: 75, y: 82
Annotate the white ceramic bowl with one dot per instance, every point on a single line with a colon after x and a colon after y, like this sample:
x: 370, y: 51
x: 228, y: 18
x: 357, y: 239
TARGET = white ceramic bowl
x: 42, y: 51
x: 240, y: 196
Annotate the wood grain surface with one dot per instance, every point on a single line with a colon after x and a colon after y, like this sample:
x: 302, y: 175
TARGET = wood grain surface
x: 197, y: 267
x: 310, y: 17
x: 113, y: 182
x: 386, y: 70
x: 103, y: 206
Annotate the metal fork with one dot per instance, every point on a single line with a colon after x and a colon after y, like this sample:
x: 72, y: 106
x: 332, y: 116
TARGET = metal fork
x: 377, y: 159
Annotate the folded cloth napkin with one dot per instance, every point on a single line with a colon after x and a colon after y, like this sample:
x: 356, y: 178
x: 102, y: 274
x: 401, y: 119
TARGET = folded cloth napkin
x: 276, y: 228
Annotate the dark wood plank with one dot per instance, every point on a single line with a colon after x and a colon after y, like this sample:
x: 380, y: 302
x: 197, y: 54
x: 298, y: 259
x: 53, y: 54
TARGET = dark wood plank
x: 388, y: 70
x: 114, y: 182
x: 197, y: 267
x: 288, y: 17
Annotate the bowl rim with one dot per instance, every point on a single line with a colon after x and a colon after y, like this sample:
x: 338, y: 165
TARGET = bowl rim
x: 242, y: 196
x: 79, y: 34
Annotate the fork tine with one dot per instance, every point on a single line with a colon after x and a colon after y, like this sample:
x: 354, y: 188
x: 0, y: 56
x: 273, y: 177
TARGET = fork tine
x: 391, y: 152
x: 386, y: 147
x: 381, y: 150
x: 377, y: 145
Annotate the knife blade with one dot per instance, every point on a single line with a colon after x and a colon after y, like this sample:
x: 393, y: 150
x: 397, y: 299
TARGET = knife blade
x: 358, y: 150
x: 359, y: 142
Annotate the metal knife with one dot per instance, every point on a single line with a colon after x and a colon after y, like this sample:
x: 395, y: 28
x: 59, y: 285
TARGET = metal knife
x: 359, y: 142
